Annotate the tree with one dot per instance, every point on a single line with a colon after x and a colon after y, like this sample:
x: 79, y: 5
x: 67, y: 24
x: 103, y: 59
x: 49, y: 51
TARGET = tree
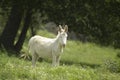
x: 27, y: 20
x: 21, y: 13
x: 12, y: 26
x: 7, y: 38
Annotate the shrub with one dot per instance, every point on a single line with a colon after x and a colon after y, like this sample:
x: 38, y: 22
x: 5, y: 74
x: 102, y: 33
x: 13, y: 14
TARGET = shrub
x: 112, y: 66
x: 118, y: 54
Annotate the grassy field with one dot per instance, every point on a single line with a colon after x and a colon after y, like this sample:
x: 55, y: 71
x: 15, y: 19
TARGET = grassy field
x: 80, y: 61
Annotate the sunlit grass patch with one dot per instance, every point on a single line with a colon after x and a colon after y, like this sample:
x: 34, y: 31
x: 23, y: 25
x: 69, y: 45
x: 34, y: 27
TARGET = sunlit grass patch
x: 89, y: 53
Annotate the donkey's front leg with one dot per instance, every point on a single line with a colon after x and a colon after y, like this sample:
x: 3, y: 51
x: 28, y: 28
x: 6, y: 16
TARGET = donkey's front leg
x: 58, y: 60
x: 54, y: 60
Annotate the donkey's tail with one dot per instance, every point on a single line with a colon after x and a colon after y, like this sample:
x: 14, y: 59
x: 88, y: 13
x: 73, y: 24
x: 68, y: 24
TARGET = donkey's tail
x: 26, y: 55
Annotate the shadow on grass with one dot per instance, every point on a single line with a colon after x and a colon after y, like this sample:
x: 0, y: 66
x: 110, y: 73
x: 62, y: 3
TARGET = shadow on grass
x: 81, y: 64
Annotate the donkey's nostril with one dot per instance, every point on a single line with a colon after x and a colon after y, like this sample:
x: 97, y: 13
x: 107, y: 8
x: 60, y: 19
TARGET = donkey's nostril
x: 63, y: 45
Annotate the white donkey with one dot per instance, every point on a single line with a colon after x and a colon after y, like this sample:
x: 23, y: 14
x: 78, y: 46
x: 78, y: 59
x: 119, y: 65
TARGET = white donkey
x: 48, y: 48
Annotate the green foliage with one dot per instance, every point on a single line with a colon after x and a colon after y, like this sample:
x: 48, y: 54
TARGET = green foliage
x: 98, y: 20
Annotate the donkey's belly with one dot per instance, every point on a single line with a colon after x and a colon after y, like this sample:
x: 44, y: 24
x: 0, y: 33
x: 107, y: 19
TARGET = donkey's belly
x: 44, y: 53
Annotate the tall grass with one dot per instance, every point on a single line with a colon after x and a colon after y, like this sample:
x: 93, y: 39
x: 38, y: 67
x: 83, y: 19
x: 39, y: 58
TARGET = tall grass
x: 12, y: 68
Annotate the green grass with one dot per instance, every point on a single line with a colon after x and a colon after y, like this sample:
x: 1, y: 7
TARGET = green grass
x: 80, y: 61
x: 12, y: 68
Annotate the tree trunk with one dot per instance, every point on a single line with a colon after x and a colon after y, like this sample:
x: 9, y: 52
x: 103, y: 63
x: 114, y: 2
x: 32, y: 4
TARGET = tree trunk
x: 33, y: 32
x: 27, y: 21
x: 10, y: 31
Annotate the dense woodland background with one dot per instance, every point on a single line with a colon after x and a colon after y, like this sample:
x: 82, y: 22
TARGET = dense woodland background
x: 97, y: 20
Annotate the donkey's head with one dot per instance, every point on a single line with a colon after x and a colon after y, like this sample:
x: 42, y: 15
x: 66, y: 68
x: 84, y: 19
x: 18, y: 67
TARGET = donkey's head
x: 62, y: 32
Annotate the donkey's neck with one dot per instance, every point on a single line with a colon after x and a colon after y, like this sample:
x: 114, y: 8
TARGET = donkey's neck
x: 57, y: 44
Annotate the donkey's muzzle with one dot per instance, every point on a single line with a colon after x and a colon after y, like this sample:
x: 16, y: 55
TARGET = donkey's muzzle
x: 64, y: 45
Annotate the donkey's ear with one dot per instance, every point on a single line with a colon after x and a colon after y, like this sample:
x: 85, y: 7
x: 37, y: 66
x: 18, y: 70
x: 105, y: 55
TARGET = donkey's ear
x: 66, y: 28
x: 60, y: 28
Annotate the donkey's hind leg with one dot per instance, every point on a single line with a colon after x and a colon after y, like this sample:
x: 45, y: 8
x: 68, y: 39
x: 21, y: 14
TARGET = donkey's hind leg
x: 34, y: 59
